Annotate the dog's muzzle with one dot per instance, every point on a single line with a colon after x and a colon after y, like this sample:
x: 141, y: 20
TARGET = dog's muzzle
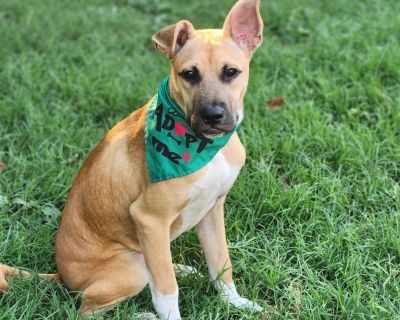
x: 213, y: 120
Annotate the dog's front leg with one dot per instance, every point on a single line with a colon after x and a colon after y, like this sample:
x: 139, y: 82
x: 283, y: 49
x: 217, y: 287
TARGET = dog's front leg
x: 211, y: 232
x: 154, y: 236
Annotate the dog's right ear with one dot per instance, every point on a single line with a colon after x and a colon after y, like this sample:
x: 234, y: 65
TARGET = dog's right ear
x: 171, y: 39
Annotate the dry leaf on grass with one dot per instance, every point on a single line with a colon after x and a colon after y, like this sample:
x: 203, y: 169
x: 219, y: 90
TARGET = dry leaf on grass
x: 285, y: 182
x: 2, y: 166
x: 276, y: 103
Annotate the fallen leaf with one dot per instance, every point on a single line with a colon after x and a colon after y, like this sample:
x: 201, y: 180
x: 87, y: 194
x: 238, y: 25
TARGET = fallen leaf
x: 285, y: 182
x: 276, y: 103
x: 2, y: 166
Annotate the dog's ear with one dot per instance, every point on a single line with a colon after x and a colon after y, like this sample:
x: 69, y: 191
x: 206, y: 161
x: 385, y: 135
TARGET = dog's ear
x: 171, y: 39
x: 244, y: 25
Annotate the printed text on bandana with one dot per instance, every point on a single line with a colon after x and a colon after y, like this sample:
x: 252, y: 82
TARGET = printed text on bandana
x: 177, y: 133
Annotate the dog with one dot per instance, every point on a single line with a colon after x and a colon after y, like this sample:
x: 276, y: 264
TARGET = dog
x: 120, y: 217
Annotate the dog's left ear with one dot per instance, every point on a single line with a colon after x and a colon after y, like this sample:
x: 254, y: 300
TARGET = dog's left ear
x: 244, y: 25
x: 171, y: 39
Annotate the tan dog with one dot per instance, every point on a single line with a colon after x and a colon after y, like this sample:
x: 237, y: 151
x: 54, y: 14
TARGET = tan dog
x: 116, y: 228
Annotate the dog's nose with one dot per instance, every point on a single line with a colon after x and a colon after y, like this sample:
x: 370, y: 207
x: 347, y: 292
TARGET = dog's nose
x: 213, y: 115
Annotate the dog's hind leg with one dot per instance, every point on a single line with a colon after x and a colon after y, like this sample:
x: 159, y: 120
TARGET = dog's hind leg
x: 115, y: 281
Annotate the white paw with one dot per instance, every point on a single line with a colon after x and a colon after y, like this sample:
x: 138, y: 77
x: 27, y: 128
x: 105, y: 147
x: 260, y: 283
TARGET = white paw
x: 166, y: 305
x: 230, y: 294
x: 146, y: 316
x: 169, y: 317
x: 243, y: 303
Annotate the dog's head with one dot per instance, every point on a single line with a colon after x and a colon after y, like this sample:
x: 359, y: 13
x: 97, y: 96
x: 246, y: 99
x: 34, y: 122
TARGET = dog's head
x: 210, y: 68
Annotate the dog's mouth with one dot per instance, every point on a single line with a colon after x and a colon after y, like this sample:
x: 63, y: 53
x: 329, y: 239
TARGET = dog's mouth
x: 214, y: 132
x: 201, y: 128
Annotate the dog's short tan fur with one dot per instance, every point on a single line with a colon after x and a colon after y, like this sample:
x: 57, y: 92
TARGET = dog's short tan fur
x: 116, y: 228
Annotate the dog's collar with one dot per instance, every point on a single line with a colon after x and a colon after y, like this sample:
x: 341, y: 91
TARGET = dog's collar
x: 172, y: 148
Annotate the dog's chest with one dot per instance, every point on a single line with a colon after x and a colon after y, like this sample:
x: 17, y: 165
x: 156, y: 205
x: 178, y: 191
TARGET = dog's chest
x: 217, y: 181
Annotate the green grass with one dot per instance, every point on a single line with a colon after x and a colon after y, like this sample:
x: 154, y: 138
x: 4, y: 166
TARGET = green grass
x: 314, y: 219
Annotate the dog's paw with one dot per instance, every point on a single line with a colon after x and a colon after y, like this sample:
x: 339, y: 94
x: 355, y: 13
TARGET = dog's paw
x: 230, y: 294
x: 146, y: 316
x: 244, y: 303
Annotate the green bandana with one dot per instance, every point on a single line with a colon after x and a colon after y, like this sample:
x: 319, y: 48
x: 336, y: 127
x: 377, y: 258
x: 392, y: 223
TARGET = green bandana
x: 172, y: 148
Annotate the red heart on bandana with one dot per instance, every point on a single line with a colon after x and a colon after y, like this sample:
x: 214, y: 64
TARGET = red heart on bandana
x: 180, y: 129
x: 186, y: 156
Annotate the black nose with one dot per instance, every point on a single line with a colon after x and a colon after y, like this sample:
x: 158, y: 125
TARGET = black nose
x: 213, y: 115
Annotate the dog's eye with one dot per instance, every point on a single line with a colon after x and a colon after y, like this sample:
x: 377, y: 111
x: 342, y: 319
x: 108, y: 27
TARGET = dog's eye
x: 189, y: 74
x: 192, y: 76
x: 229, y: 74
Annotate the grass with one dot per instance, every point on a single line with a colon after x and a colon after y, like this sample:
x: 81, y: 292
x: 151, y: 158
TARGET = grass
x: 313, y: 221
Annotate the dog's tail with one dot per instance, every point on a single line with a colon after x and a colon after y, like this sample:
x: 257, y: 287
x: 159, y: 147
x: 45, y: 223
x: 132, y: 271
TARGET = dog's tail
x: 7, y: 271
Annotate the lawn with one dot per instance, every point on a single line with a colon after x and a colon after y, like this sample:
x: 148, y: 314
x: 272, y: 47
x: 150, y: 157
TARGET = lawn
x: 313, y: 221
